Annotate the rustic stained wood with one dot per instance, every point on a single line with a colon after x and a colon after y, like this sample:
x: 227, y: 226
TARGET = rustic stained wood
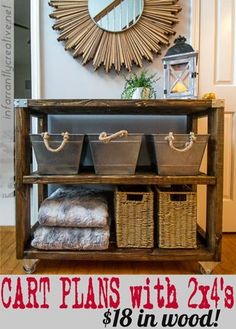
x: 139, y: 178
x: 191, y: 107
x: 209, y: 248
x: 115, y: 49
x: 22, y: 167
x: 215, y: 195
x: 42, y: 188
x: 200, y: 254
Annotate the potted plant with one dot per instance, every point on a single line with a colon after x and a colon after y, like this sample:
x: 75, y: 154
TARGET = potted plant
x: 139, y: 86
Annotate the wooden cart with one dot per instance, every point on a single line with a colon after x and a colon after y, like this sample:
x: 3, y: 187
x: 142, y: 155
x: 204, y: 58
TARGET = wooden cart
x: 209, y: 241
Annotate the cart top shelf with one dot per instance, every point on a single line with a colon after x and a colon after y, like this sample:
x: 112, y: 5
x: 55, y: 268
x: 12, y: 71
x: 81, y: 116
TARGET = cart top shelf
x: 119, y: 107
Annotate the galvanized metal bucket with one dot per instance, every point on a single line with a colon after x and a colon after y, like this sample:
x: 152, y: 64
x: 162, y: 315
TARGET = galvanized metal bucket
x: 179, y: 154
x: 115, y: 155
x: 57, y: 153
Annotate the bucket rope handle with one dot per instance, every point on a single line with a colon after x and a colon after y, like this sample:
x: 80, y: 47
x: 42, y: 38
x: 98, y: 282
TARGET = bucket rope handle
x: 46, y: 138
x: 170, y: 138
x: 106, y: 139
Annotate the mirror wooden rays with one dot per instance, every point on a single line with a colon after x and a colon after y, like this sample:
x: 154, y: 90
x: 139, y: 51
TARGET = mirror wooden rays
x: 115, y: 49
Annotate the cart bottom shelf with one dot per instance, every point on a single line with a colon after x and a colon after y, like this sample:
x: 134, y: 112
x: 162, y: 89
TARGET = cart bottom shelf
x: 115, y: 254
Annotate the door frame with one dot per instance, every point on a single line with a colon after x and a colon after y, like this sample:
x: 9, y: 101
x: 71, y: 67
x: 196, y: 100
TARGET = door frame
x: 36, y: 81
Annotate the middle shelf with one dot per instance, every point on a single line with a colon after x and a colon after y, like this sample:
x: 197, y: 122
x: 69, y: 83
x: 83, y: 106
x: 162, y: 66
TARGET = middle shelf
x: 138, y: 178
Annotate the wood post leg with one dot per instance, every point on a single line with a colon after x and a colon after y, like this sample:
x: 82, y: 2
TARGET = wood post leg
x: 30, y: 265
x: 207, y: 267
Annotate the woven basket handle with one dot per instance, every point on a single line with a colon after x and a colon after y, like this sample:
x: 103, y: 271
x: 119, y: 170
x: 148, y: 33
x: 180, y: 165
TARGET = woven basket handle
x: 106, y: 139
x: 46, y: 138
x: 134, y: 197
x: 170, y: 138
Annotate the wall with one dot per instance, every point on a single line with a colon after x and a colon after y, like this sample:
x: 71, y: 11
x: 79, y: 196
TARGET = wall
x: 65, y: 77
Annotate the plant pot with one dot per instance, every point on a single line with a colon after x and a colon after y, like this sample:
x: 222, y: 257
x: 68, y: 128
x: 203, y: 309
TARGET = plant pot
x: 141, y: 93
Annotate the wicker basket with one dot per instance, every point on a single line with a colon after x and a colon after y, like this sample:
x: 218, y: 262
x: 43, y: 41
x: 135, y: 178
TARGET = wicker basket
x: 134, y: 217
x: 177, y: 217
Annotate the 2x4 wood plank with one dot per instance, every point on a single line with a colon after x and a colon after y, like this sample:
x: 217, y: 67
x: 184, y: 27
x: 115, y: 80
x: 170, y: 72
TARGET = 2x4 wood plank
x: 124, y: 107
x: 148, y: 178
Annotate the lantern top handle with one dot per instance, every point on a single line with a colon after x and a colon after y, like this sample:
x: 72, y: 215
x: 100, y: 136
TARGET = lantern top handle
x: 180, y: 47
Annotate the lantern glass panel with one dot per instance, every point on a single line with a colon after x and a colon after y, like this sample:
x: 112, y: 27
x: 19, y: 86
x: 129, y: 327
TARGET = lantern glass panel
x: 179, y: 78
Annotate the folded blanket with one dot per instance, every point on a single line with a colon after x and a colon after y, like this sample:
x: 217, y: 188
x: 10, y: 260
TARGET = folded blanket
x: 74, y: 207
x: 60, y: 238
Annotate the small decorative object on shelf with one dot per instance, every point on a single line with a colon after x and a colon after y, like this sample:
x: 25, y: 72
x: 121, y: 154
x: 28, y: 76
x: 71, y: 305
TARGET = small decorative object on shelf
x: 139, y: 86
x: 209, y: 96
x: 180, y: 70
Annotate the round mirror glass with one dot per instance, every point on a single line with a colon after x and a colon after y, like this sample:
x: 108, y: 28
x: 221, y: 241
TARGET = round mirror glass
x: 115, y: 15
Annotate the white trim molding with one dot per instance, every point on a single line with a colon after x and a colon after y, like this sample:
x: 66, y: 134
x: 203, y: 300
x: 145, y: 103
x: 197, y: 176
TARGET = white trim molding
x: 36, y: 83
x: 195, y: 24
x: 35, y: 49
x: 195, y: 30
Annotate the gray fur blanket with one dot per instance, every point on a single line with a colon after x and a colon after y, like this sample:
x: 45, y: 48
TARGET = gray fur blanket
x: 75, y: 207
x: 56, y: 238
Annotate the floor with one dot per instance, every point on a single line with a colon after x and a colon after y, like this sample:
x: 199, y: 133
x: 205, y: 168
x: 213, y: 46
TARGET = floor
x: 9, y: 264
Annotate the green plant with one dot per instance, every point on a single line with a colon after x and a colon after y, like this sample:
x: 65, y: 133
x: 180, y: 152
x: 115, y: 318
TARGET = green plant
x: 139, y: 80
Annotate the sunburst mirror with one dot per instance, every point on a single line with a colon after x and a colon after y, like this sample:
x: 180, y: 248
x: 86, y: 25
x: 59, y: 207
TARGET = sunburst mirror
x: 115, y: 33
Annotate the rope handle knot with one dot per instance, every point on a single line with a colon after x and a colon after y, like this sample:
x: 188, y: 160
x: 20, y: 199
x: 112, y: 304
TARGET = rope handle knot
x: 46, y: 138
x: 107, y: 138
x: 188, y: 145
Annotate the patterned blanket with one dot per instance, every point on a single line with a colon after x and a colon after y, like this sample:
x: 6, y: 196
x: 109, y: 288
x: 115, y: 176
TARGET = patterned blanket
x: 56, y: 238
x: 75, y: 207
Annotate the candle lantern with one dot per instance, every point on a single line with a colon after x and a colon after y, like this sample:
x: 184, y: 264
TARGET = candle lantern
x: 180, y: 74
